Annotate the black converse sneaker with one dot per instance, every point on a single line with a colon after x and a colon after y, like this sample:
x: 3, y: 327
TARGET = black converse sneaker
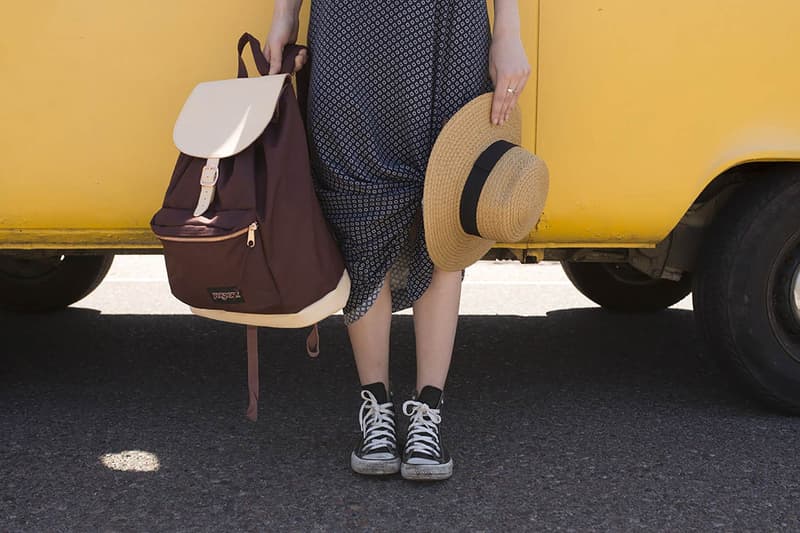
x: 424, y: 457
x: 376, y: 452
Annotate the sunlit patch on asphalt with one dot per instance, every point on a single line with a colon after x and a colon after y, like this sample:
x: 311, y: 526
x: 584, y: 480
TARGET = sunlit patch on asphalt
x: 131, y: 461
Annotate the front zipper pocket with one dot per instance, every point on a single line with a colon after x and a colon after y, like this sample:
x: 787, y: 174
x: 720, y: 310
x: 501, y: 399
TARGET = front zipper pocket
x: 225, y: 272
x: 250, y: 230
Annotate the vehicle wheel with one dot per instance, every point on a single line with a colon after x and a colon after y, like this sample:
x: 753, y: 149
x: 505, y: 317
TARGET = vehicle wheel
x: 36, y: 283
x: 620, y: 287
x: 747, y: 290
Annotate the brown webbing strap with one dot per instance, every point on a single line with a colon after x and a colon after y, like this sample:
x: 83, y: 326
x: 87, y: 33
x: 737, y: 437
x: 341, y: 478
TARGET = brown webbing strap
x: 312, y: 347
x: 252, y: 372
x: 312, y: 342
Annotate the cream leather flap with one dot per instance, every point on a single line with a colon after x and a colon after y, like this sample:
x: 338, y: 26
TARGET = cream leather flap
x: 222, y: 118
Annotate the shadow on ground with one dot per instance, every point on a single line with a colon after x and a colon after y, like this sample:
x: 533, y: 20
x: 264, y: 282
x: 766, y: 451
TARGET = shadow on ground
x: 581, y: 419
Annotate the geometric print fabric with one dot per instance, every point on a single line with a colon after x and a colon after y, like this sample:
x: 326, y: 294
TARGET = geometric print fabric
x: 385, y: 77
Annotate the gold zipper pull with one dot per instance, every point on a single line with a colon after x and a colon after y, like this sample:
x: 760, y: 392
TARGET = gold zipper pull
x: 251, y: 235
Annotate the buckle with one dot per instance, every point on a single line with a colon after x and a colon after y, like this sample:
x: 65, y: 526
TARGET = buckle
x: 209, y: 176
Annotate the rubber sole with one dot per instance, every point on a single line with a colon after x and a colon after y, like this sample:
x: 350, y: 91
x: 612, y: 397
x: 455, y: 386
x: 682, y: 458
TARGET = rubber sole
x: 427, y: 472
x: 371, y: 467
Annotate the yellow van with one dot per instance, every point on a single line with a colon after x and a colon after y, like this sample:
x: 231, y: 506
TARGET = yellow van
x: 671, y: 129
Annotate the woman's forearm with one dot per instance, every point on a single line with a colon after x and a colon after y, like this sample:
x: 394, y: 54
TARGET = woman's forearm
x: 508, y: 64
x: 506, y: 17
x: 287, y: 7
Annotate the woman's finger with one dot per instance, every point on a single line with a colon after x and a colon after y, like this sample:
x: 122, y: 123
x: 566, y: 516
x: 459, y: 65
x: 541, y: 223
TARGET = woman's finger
x: 299, y: 60
x: 501, y: 95
x: 265, y: 51
x: 497, y: 102
x: 515, y: 97
x: 517, y: 83
x: 508, y: 98
x: 506, y: 85
x: 495, y: 114
x: 275, y: 57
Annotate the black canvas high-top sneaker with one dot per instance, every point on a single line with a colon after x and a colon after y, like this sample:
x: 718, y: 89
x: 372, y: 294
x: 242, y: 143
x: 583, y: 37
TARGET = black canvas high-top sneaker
x: 425, y: 457
x: 376, y: 452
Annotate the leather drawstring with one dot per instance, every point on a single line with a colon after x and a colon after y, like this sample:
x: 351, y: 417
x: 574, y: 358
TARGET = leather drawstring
x: 252, y: 372
x: 312, y: 347
x: 312, y: 342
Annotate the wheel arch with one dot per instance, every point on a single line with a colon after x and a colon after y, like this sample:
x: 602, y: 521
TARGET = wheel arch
x: 689, y: 235
x: 679, y: 250
x: 744, y: 171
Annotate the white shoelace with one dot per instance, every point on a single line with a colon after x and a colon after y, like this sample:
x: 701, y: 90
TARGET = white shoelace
x: 377, y: 423
x: 423, y: 434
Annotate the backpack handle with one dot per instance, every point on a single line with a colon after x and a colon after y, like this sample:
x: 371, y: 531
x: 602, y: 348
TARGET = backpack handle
x: 290, y: 52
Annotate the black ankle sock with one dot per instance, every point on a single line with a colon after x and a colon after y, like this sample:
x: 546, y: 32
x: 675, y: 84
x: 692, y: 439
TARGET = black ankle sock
x: 431, y: 396
x: 379, y: 390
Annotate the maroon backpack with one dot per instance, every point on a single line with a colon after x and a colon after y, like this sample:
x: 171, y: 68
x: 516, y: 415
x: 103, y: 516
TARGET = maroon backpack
x: 244, y: 237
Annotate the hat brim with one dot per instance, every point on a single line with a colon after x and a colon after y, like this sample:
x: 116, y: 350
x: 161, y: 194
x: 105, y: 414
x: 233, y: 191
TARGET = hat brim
x: 462, y: 139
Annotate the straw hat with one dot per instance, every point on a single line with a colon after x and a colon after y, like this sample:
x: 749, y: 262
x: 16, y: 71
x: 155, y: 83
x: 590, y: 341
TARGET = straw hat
x: 481, y: 187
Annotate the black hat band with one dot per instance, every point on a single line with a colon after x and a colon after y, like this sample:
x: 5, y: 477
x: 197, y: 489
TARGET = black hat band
x: 476, y: 180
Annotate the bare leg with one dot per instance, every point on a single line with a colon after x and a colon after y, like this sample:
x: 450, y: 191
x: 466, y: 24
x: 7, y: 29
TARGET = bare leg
x: 435, y: 321
x: 369, y: 337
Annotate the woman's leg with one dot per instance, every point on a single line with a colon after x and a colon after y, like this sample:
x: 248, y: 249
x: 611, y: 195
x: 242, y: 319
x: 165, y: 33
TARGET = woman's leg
x: 435, y: 321
x: 376, y: 452
x: 369, y: 337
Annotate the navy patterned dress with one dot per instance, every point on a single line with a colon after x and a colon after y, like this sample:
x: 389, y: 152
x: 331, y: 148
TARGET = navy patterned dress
x: 385, y: 77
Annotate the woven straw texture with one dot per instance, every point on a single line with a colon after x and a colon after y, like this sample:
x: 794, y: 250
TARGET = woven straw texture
x: 512, y: 199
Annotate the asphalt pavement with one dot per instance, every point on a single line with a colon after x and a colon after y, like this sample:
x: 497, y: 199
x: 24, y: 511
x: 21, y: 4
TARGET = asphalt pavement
x: 126, y: 413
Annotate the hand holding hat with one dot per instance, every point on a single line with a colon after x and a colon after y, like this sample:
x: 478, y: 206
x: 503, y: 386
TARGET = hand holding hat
x: 481, y: 186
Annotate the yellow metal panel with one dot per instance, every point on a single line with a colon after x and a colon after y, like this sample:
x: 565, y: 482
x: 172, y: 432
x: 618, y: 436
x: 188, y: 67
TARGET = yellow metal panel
x: 642, y: 103
x: 529, y: 23
x: 90, y: 93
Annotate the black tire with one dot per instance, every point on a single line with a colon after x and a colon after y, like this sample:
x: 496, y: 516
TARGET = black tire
x: 745, y: 306
x: 38, y: 283
x: 621, y: 288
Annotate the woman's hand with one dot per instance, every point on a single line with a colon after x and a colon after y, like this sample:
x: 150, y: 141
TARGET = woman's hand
x: 285, y: 25
x: 508, y: 64
x: 509, y: 69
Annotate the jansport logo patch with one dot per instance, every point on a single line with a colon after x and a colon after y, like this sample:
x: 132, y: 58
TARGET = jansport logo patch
x: 226, y: 295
